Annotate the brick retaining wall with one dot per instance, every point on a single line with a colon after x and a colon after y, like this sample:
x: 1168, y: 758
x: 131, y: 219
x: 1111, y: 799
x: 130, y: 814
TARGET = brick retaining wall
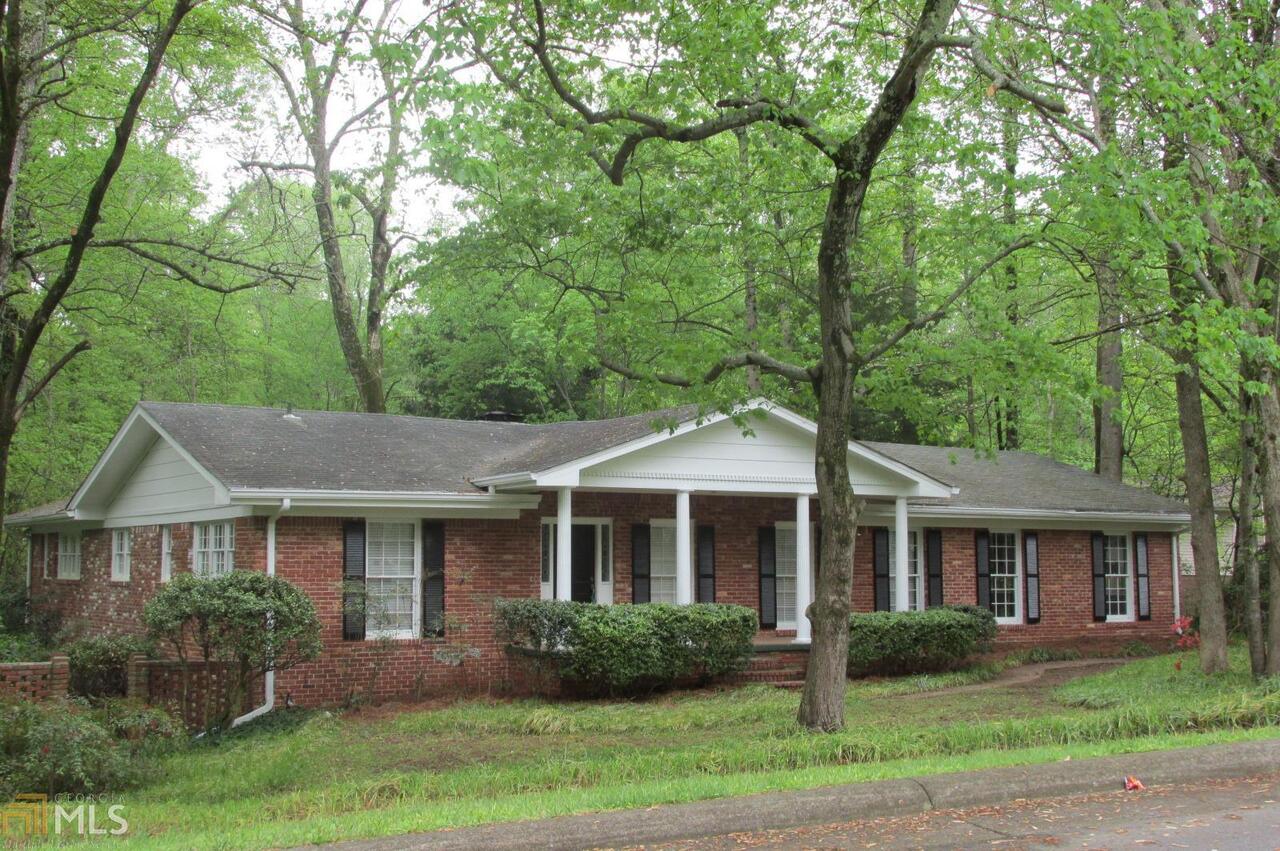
x: 36, y: 680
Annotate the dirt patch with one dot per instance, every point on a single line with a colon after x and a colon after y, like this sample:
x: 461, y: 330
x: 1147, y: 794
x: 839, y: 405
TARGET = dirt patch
x: 1038, y: 677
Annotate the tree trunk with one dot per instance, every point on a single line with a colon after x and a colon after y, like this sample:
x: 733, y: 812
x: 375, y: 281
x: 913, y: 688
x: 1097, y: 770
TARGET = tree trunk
x: 822, y: 702
x: 750, y: 306
x: 1246, y: 562
x: 1204, y: 532
x: 1269, y: 444
x: 1006, y: 410
x: 1108, y: 432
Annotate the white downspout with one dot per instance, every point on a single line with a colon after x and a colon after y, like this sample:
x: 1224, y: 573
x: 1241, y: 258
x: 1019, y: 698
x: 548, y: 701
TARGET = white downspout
x: 269, y: 679
x: 1177, y: 574
x: 29, y: 559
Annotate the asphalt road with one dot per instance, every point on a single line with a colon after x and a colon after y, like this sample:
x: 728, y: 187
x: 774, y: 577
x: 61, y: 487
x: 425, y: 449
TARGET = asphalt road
x: 1213, y: 814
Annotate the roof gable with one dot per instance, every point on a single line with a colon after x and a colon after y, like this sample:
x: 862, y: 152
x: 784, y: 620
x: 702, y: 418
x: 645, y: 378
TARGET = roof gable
x: 142, y: 469
x: 764, y: 448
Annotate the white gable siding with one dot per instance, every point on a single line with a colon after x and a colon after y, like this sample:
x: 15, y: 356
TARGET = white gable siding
x: 162, y: 483
x: 777, y: 457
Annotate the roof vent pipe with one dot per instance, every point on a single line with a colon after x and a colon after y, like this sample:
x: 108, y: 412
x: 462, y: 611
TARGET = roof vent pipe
x: 288, y: 412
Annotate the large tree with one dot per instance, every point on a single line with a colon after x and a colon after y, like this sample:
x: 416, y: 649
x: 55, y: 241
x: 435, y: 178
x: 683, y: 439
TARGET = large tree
x: 74, y: 79
x: 814, y: 71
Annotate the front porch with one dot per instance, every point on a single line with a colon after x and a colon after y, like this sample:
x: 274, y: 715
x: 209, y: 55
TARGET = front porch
x: 706, y: 513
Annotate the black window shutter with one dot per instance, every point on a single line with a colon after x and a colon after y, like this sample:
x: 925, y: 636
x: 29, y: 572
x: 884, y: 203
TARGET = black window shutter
x: 880, y: 561
x: 1099, y: 578
x: 1031, y: 567
x: 639, y: 562
x: 1144, y: 576
x: 353, y: 602
x: 982, y: 556
x: 432, y: 579
x: 933, y: 564
x: 706, y: 552
x: 768, y: 578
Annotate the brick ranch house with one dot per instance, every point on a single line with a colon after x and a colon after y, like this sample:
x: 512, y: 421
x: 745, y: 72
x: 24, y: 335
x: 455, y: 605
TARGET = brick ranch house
x: 437, y: 518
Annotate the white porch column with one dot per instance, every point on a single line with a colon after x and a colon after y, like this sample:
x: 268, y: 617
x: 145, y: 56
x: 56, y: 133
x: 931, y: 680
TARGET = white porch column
x: 804, y: 576
x: 684, y: 546
x: 564, y: 544
x: 902, y: 550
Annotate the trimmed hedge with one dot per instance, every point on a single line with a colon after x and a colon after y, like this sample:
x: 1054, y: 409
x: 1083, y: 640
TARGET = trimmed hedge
x: 918, y: 642
x: 630, y: 649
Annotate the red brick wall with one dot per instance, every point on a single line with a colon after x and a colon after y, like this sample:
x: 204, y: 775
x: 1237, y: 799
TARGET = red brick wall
x: 484, y: 560
x: 35, y: 680
x: 96, y: 605
x: 488, y: 559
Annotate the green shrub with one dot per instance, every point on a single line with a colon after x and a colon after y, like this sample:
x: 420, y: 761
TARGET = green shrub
x: 99, y: 665
x: 144, y: 729
x: 22, y: 647
x: 252, y: 622
x: 57, y: 747
x: 917, y: 642
x: 630, y: 649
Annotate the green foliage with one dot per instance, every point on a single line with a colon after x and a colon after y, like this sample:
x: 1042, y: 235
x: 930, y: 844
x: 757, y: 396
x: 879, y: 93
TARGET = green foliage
x: 917, y: 642
x: 64, y: 746
x: 253, y: 622
x: 631, y: 649
x: 1039, y: 655
x: 99, y: 664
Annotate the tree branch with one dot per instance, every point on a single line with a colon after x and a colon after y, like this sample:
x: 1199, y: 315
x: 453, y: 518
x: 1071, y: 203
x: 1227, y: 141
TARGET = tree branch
x: 941, y: 310
x: 36, y: 389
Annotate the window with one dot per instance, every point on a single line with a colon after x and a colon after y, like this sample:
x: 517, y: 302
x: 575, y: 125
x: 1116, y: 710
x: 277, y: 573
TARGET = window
x: 915, y: 576
x: 121, y: 553
x: 391, y: 578
x: 166, y: 553
x: 69, y: 555
x: 215, y: 553
x: 662, y: 562
x: 785, y: 578
x: 1006, y: 599
x: 1118, y: 577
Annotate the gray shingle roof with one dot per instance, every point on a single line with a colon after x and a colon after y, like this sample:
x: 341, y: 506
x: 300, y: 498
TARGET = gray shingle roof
x: 264, y: 448
x: 1023, y: 480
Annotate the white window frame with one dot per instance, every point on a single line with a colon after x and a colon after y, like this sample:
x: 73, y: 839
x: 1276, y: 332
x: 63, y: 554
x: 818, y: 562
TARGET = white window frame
x: 69, y: 551
x: 1129, y: 589
x: 415, y: 630
x: 1019, y: 587
x: 604, y: 577
x: 198, y: 551
x: 121, y: 553
x: 915, y: 537
x: 166, y: 553
x: 670, y: 523
x: 790, y: 525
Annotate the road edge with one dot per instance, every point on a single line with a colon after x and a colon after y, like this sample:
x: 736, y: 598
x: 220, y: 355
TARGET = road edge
x: 849, y: 802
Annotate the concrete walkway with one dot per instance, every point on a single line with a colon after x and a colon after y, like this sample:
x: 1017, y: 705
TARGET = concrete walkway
x: 887, y: 798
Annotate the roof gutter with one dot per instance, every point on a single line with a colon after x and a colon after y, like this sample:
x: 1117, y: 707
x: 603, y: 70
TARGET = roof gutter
x: 1049, y: 514
x: 269, y: 679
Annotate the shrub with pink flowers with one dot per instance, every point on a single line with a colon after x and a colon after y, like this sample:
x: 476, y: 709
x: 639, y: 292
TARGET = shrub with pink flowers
x: 1185, y: 636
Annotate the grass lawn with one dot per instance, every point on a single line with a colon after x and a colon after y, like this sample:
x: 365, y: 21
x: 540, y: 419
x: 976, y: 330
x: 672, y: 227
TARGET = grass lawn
x: 316, y: 777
